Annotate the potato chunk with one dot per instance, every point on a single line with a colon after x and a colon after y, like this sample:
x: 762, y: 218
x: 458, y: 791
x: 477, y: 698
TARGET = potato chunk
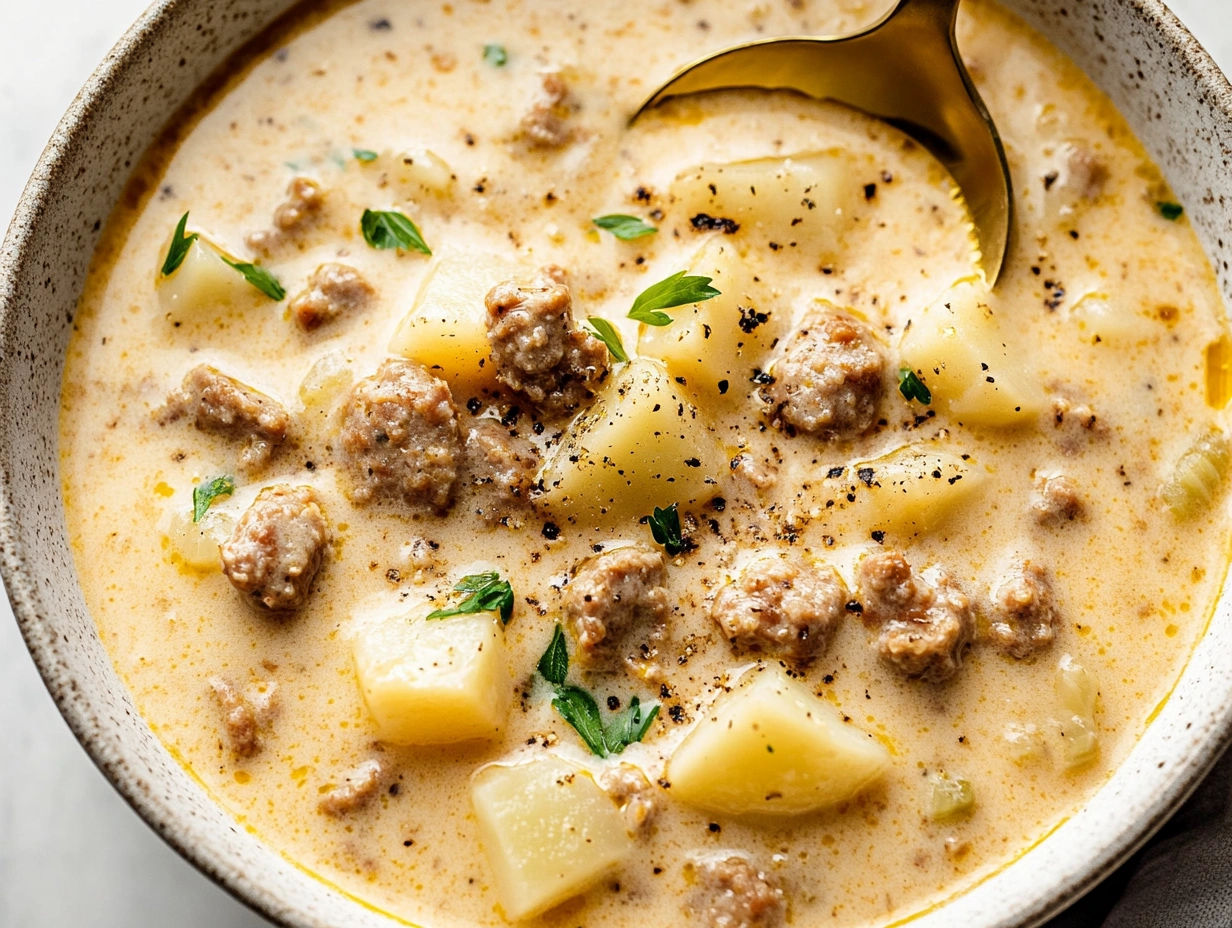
x: 773, y: 748
x: 446, y: 329
x: 434, y: 681
x: 641, y: 444
x: 960, y: 351
x: 420, y: 170
x: 1077, y: 692
x: 549, y: 832
x: 196, y: 543
x: 1198, y: 477
x: 202, y: 285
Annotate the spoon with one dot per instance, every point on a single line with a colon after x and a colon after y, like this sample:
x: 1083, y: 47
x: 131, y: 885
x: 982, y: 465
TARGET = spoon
x: 904, y: 69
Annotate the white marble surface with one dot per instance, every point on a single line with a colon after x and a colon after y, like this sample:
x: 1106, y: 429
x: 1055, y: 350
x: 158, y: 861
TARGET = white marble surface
x: 71, y: 852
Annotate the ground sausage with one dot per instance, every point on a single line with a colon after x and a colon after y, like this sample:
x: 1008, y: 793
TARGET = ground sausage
x: 243, y: 716
x: 830, y: 379
x: 277, y: 547
x: 1056, y: 501
x: 333, y: 289
x: 221, y: 404
x: 1074, y: 424
x: 631, y: 790
x: 925, y: 618
x: 305, y: 199
x: 611, y: 597
x: 1023, y: 616
x: 500, y: 468
x: 788, y: 609
x: 731, y: 892
x: 537, y: 347
x: 400, y: 436
x: 545, y: 125
x: 356, y: 790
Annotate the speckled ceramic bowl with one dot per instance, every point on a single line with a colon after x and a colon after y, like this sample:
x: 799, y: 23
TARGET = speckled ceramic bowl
x: 1175, y: 98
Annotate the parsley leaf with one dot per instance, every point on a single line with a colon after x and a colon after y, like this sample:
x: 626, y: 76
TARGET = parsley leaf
x: 259, y: 277
x: 606, y: 333
x: 665, y: 527
x: 391, y: 229
x: 366, y: 155
x: 625, y: 228
x: 1170, y: 211
x: 912, y: 387
x: 676, y: 290
x: 488, y: 593
x: 554, y: 665
x: 629, y: 726
x: 180, y: 243
x: 495, y: 55
x: 204, y: 495
x: 579, y: 709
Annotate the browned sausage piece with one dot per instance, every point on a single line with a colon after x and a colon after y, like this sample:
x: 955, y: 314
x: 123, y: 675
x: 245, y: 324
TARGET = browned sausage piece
x: 333, y: 289
x: 239, y: 720
x: 925, y: 618
x: 277, y: 547
x: 732, y: 893
x: 631, y: 790
x: 537, y: 347
x: 830, y: 379
x: 221, y: 404
x: 400, y: 436
x: 787, y: 609
x: 612, y: 596
x: 356, y: 790
x: 544, y: 124
x: 1056, y: 501
x: 1075, y: 424
x: 499, y: 472
x: 303, y: 205
x: 1023, y: 616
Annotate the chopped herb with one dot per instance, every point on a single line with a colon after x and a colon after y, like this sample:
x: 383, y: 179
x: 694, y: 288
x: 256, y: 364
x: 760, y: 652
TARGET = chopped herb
x: 912, y: 387
x: 625, y: 228
x: 391, y: 229
x: 204, y: 495
x: 579, y: 709
x: 1170, y: 211
x: 495, y: 55
x: 665, y: 527
x: 606, y: 333
x: 180, y: 243
x: 365, y: 155
x: 259, y: 277
x: 488, y: 593
x: 629, y: 726
x: 554, y: 665
x: 677, y: 290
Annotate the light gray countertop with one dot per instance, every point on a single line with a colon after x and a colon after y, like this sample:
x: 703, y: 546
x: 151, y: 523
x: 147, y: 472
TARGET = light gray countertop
x: 71, y: 852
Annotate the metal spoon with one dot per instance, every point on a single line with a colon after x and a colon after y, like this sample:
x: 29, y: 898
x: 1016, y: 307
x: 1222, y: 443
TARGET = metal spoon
x: 905, y: 69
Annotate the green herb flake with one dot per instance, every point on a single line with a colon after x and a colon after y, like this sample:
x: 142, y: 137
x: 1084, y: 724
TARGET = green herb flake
x: 366, y: 155
x: 554, y: 665
x: 1170, y: 211
x: 386, y: 229
x: 629, y: 726
x: 912, y: 387
x: 495, y: 55
x: 677, y: 290
x: 625, y: 228
x: 488, y: 593
x: 665, y: 527
x: 606, y: 333
x: 579, y: 709
x: 180, y: 243
x: 204, y: 494
x: 260, y: 278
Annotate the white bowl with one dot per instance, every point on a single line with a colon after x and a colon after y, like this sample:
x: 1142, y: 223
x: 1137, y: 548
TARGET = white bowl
x: 1174, y: 97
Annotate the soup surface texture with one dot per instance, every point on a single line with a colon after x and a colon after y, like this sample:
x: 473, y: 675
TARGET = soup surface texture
x: 803, y: 579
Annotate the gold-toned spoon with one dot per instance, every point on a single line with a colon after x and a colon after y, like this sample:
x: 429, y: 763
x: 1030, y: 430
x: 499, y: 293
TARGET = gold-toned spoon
x: 905, y: 69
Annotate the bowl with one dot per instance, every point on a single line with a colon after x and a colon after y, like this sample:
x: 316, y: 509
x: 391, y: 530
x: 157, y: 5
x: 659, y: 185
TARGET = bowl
x: 1168, y: 88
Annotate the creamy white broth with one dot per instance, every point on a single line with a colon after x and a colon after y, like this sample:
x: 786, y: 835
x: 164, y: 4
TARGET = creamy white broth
x: 1135, y: 586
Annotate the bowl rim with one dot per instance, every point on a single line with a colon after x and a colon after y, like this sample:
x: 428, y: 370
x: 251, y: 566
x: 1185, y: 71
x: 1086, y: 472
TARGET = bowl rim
x: 36, y: 626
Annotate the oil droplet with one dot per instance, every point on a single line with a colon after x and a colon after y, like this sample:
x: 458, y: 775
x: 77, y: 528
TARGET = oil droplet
x: 164, y: 490
x: 1171, y: 631
x: 242, y: 777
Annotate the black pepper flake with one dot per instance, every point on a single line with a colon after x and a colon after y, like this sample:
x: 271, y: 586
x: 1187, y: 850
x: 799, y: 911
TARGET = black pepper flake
x: 878, y: 536
x: 511, y: 416
x: 642, y: 195
x: 760, y: 376
x: 677, y: 713
x: 870, y: 191
x: 718, y: 504
x: 835, y: 472
x: 394, y: 789
x: 1050, y: 178
x: 828, y: 678
x: 613, y: 703
x: 715, y: 828
x: 723, y: 385
x: 866, y: 476
x: 551, y: 531
x: 855, y: 607
x: 750, y: 319
x: 704, y: 222
x: 309, y: 465
x: 473, y: 405
x: 692, y: 462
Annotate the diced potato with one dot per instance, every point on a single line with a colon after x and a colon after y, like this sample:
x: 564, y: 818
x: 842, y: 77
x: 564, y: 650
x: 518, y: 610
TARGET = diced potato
x: 963, y: 355
x: 951, y: 797
x: 419, y: 170
x: 716, y: 345
x: 1077, y: 692
x: 641, y: 444
x: 434, y: 681
x: 203, y: 285
x: 325, y: 380
x: 1097, y: 315
x: 1023, y: 743
x: 1199, y: 476
x: 549, y: 832
x: 773, y: 748
x: 196, y: 543
x: 446, y: 330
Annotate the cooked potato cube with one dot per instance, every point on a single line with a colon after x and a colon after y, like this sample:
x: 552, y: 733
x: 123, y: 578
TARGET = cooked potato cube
x: 962, y: 354
x: 326, y: 379
x: 196, y: 543
x: 1198, y: 477
x: 773, y: 748
x: 549, y: 832
x: 641, y: 444
x: 420, y: 170
x: 434, y: 681
x: 203, y: 285
x: 1077, y: 692
x: 1114, y: 322
x: 446, y: 329
x: 951, y: 797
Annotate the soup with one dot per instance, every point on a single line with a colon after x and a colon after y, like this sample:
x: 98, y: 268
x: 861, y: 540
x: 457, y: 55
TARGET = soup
x: 511, y: 515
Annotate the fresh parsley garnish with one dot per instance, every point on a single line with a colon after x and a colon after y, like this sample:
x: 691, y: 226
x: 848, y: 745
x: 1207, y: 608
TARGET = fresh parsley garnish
x: 366, y: 155
x: 180, y: 243
x: 606, y: 333
x: 579, y: 708
x: 259, y: 277
x: 391, y: 229
x: 625, y: 228
x: 677, y: 290
x: 1170, y: 211
x: 204, y: 494
x: 488, y: 593
x: 495, y: 55
x: 665, y: 527
x: 912, y: 387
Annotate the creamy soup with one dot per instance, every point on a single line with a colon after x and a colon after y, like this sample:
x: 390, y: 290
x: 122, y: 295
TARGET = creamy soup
x: 509, y: 514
